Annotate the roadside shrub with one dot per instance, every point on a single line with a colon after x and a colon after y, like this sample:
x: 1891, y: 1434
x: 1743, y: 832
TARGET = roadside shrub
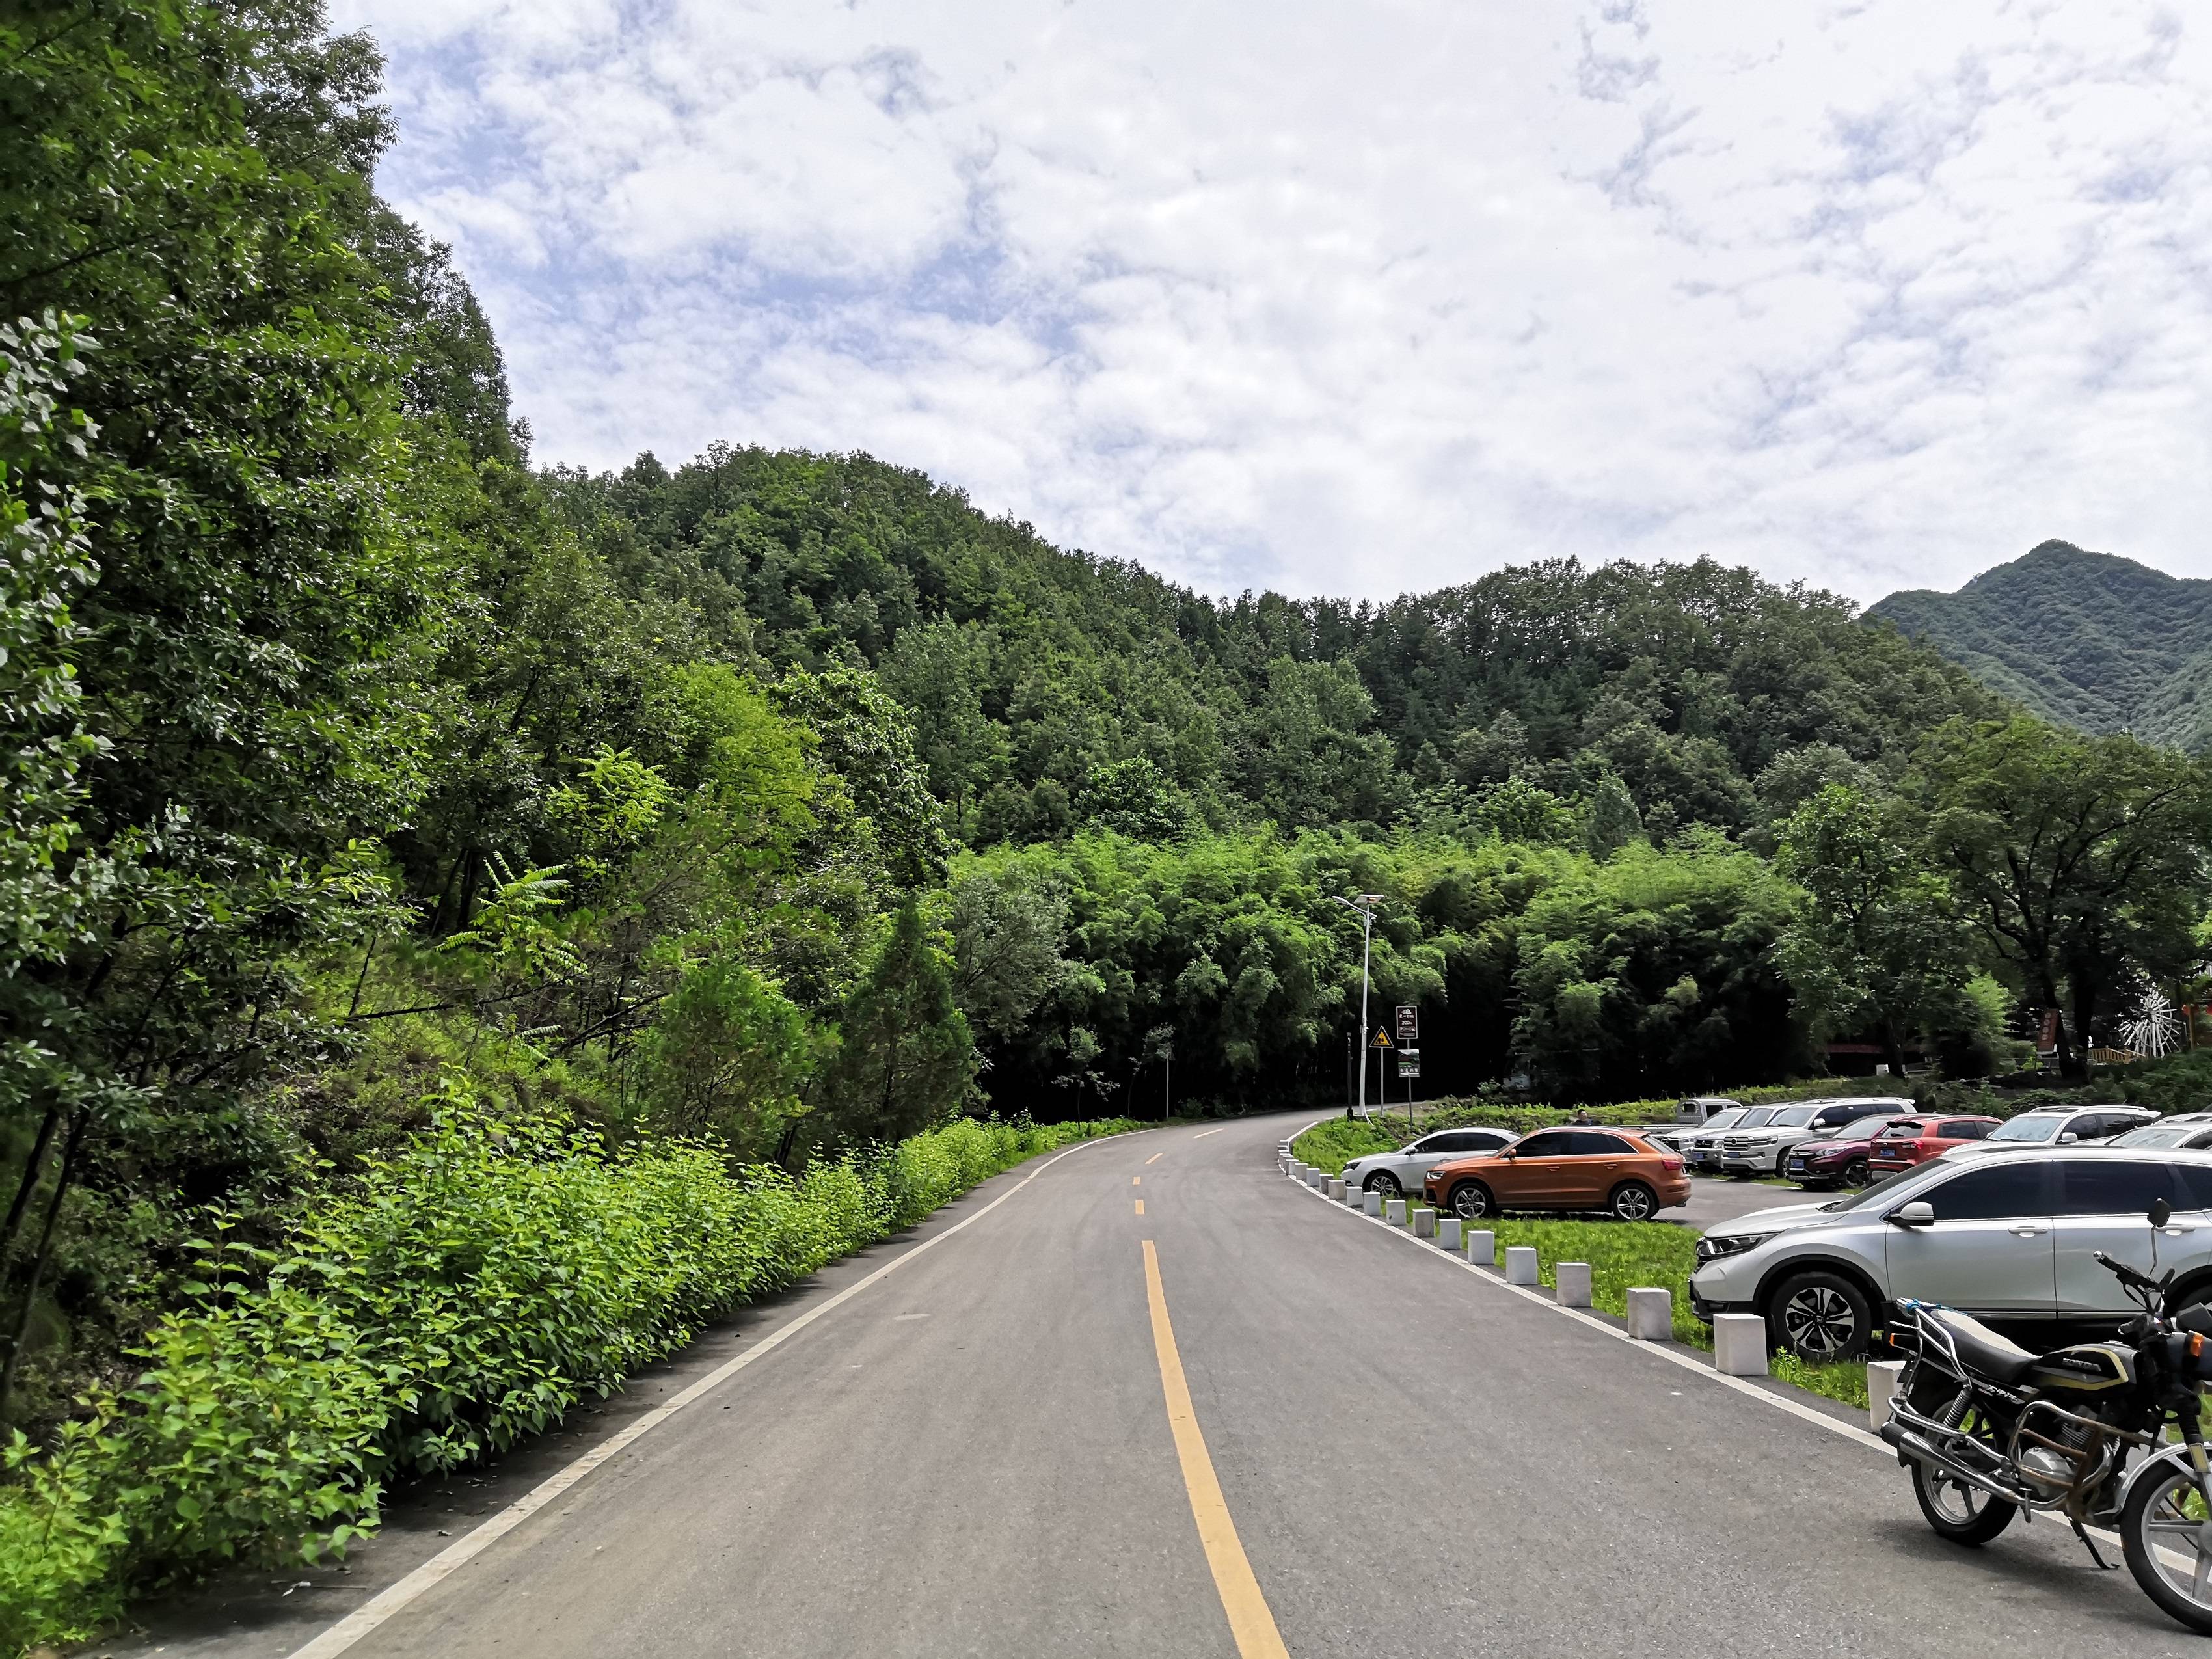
x: 462, y: 1294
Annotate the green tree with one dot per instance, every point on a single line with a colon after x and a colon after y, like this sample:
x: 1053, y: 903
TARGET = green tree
x: 2078, y: 860
x: 905, y: 1059
x: 1876, y: 947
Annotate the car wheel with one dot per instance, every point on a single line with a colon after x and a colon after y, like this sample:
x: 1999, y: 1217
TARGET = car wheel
x: 1856, y: 1173
x: 1819, y: 1316
x: 1471, y: 1201
x: 1384, y: 1182
x: 1633, y: 1200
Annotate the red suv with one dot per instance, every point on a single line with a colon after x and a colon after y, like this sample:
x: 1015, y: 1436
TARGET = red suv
x: 1913, y: 1141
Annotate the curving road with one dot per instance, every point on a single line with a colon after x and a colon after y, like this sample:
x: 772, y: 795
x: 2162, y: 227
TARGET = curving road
x: 973, y: 1455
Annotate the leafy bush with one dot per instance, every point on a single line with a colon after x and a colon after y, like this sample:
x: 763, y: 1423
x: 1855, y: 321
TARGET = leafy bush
x: 464, y: 1293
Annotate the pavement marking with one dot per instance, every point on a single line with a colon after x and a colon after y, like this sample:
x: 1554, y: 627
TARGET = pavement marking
x: 1140, y: 1206
x: 1249, y: 1621
x: 1223, y: 1130
x: 395, y: 1598
x: 1136, y: 1180
x: 1153, y: 1159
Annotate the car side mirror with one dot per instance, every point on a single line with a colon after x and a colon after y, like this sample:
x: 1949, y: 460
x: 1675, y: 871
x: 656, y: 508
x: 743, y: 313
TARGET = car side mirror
x: 2068, y: 1139
x: 2160, y: 1212
x: 1506, y: 1151
x: 1919, y: 1213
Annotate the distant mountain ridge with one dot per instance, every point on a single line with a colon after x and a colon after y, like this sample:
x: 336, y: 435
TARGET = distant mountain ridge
x: 2088, y: 640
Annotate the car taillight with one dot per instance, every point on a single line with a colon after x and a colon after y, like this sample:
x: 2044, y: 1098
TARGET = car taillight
x: 1672, y: 1165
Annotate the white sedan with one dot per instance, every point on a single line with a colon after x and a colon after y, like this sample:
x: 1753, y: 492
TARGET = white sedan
x: 1403, y: 1170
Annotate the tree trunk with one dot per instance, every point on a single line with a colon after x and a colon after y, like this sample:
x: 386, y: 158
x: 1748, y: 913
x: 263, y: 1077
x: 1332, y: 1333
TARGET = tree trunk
x: 12, y: 1364
x: 1893, y: 1046
x: 20, y: 1205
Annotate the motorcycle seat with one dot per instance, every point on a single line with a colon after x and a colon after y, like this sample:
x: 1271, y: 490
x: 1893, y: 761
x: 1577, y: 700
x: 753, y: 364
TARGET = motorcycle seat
x: 1982, y: 1349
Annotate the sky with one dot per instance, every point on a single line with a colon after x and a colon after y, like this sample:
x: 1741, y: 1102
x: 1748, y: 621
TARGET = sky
x: 1363, y: 299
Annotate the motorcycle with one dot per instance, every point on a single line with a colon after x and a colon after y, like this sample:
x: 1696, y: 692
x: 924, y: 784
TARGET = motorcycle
x: 1990, y: 1430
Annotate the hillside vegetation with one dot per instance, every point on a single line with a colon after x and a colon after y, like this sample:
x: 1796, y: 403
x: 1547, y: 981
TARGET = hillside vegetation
x: 2099, y: 644
x: 659, y: 845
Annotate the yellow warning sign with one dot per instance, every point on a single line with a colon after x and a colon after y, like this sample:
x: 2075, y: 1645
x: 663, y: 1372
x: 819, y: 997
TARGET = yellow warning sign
x: 1382, y: 1039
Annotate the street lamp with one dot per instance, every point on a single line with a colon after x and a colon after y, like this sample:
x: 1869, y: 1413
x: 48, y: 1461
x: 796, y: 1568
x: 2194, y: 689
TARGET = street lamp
x: 1365, y: 904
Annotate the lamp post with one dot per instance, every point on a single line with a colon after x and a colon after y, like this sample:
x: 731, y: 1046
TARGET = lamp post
x: 1365, y: 904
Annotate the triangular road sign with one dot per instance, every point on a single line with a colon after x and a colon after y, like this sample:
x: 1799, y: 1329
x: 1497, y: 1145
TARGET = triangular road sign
x: 1382, y: 1039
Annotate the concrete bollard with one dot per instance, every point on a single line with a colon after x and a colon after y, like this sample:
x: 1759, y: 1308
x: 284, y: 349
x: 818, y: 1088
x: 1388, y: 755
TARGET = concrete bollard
x: 1521, y: 1264
x: 1424, y: 1224
x: 1571, y: 1284
x: 1394, y: 1213
x: 1482, y: 1248
x: 1739, y: 1345
x: 1353, y: 1197
x: 1651, y: 1314
x: 1336, y: 1190
x: 1371, y: 1201
x: 1314, y: 1177
x: 1448, y: 1232
x: 1296, y: 1171
x: 1881, y: 1384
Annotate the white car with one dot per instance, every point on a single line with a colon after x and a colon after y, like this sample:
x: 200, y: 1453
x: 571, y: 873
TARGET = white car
x: 1765, y: 1151
x: 1701, y: 1151
x: 2184, y: 1129
x: 2056, y: 1126
x: 1404, y: 1171
x: 1696, y: 1112
x: 2009, y: 1236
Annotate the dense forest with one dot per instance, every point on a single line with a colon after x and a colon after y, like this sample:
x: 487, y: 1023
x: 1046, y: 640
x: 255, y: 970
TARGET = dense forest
x: 2087, y: 640
x: 365, y: 778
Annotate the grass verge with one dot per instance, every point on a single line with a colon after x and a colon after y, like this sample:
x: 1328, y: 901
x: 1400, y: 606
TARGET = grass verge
x: 458, y: 1296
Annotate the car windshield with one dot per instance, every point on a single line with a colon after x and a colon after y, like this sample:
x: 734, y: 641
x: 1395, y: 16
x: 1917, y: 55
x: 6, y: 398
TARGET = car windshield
x: 2029, y: 1128
x: 1755, y: 1118
x: 1795, y: 1118
x: 1865, y: 1128
x: 2158, y: 1134
x: 1723, y: 1119
x: 1887, y: 1183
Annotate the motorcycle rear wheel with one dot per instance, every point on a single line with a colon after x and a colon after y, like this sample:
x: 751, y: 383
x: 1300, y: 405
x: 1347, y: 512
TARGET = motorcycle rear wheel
x: 2158, y: 1514
x: 1965, y: 1515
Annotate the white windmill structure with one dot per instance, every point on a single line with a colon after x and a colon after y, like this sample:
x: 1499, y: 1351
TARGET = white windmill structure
x: 2155, y: 1027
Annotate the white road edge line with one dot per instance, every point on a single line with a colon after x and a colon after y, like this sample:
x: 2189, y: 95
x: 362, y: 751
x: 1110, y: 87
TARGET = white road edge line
x: 396, y: 1597
x: 1667, y: 1352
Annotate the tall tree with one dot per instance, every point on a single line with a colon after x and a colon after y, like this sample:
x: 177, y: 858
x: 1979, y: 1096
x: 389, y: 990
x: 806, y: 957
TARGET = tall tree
x: 2077, y: 859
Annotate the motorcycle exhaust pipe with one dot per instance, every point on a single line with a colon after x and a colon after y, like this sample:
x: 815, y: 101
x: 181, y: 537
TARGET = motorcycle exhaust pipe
x: 1921, y: 1449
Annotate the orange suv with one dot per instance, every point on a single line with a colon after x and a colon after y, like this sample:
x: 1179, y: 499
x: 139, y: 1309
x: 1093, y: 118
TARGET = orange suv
x: 1617, y: 1170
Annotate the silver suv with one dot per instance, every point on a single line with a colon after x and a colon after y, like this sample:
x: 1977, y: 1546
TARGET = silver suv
x: 1763, y: 1151
x: 2009, y: 1236
x: 2058, y: 1126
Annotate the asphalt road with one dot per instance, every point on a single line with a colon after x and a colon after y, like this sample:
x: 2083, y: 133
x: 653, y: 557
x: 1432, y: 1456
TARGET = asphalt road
x: 973, y: 1456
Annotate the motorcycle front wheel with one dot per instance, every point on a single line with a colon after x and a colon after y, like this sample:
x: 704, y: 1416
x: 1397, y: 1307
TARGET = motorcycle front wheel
x: 2167, y: 1536
x: 1961, y: 1513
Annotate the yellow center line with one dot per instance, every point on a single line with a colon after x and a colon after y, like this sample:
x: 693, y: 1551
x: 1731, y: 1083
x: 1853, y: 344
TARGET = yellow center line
x: 1136, y: 1180
x: 1154, y: 1159
x: 1249, y: 1621
x: 1140, y: 1206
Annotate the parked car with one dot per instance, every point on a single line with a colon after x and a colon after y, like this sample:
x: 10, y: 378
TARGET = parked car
x: 1702, y: 1151
x: 2187, y: 1130
x: 1760, y: 1152
x: 2062, y: 1126
x: 1840, y: 1159
x: 1392, y: 1173
x: 1916, y: 1140
x: 1698, y: 1112
x: 2009, y: 1237
x: 1619, y: 1170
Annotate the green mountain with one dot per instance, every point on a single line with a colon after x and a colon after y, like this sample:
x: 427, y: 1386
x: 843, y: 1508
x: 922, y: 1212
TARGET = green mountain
x: 2088, y: 640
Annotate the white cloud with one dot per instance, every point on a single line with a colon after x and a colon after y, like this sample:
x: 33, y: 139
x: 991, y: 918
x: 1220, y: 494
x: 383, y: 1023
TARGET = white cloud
x: 1359, y: 300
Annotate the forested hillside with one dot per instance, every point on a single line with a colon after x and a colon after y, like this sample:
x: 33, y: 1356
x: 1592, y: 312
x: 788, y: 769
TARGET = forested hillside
x: 712, y: 842
x: 2099, y: 644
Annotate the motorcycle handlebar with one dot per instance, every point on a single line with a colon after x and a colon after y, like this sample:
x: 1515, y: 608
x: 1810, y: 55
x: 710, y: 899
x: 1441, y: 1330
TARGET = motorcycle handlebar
x: 2124, y: 1273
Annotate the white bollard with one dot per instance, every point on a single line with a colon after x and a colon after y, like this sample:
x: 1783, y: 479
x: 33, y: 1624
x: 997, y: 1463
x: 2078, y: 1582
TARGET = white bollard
x: 1296, y: 1171
x: 1651, y: 1314
x: 1739, y: 1345
x: 1424, y: 1224
x: 1336, y: 1190
x: 1571, y: 1284
x: 1353, y: 1197
x: 1521, y: 1264
x: 1394, y: 1213
x: 1482, y: 1248
x: 1447, y: 1231
x: 1314, y: 1177
x: 1881, y: 1384
x: 1371, y: 1201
